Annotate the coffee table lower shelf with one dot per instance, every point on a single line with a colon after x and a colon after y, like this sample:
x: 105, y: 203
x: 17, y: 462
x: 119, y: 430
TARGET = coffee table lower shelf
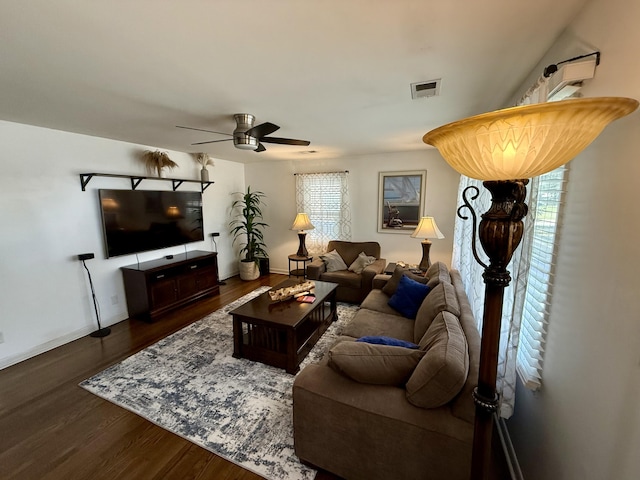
x: 282, y: 334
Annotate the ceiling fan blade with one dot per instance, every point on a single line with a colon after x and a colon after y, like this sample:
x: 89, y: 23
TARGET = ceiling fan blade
x: 285, y: 141
x: 261, y: 130
x: 213, y: 141
x: 203, y: 130
x: 260, y: 148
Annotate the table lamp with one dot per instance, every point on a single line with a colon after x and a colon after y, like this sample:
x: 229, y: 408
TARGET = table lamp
x: 426, y: 229
x: 302, y: 223
x: 504, y: 149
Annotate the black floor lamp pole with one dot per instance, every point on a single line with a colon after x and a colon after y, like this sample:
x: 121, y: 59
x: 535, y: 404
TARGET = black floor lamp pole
x: 101, y: 332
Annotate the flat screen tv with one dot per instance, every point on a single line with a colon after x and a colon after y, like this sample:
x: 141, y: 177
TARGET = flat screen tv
x: 141, y: 220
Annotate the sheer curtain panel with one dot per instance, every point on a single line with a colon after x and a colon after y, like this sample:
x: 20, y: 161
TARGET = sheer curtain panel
x: 325, y: 198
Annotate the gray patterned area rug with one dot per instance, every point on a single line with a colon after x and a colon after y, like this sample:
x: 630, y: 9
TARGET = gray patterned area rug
x: 189, y: 384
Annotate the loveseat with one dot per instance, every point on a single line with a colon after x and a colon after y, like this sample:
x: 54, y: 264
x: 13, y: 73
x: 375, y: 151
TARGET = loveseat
x: 371, y: 411
x: 353, y: 286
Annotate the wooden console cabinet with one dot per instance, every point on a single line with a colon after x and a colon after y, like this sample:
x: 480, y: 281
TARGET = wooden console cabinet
x: 156, y: 287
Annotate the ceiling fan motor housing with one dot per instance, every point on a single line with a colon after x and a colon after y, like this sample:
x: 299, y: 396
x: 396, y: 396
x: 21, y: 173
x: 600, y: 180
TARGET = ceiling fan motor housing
x: 244, y: 122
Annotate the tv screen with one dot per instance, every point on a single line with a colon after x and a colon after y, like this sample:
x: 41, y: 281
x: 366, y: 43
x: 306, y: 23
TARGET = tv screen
x: 141, y: 220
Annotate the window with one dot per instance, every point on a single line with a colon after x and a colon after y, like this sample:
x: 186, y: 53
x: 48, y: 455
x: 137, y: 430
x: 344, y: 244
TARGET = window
x: 325, y: 198
x: 539, y: 280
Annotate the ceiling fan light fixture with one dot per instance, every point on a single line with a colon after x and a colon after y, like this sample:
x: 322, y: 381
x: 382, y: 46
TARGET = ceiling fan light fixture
x: 244, y: 121
x: 245, y: 142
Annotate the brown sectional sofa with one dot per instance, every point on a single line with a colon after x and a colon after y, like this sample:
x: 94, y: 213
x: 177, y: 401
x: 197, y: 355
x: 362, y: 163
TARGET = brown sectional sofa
x: 352, y: 287
x: 388, y: 412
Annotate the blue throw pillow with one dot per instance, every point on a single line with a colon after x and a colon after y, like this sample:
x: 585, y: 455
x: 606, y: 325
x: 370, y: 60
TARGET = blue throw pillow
x: 408, y: 297
x: 382, y: 340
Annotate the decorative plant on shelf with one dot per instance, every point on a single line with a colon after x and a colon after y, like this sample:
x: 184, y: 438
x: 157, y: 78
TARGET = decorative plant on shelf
x: 247, y: 228
x: 203, y: 159
x: 155, y: 161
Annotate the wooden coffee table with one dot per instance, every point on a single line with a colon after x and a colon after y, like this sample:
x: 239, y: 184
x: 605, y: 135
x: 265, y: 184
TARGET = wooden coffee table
x: 282, y: 334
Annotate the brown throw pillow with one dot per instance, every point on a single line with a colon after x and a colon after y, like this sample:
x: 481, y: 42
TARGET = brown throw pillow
x: 375, y: 364
x: 392, y: 284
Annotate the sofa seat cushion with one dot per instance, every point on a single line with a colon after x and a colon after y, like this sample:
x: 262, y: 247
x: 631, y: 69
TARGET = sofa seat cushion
x: 392, y: 284
x: 344, y: 278
x: 441, y: 299
x: 368, y: 322
x: 378, y: 301
x: 443, y: 370
x: 437, y: 273
x: 375, y: 364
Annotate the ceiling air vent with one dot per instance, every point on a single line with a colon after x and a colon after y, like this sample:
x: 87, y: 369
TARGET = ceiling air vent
x: 430, y: 88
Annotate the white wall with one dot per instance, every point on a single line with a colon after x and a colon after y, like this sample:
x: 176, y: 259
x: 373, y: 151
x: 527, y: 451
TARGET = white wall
x: 277, y: 180
x: 584, y: 424
x: 47, y: 220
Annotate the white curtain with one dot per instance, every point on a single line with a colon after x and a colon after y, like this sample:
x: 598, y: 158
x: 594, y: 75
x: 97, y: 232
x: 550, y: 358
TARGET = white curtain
x: 325, y: 198
x: 514, y: 294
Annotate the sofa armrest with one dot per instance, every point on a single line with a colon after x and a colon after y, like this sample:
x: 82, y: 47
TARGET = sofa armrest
x: 331, y: 412
x: 371, y: 271
x: 380, y: 280
x: 315, y: 268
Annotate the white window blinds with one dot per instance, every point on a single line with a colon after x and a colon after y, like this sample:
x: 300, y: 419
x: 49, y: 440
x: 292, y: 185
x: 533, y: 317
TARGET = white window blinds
x: 539, y: 283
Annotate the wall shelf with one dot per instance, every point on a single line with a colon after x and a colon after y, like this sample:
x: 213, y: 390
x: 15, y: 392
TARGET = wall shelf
x: 85, y: 178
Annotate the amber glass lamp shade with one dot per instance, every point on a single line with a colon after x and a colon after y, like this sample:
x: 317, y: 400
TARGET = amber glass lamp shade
x: 526, y: 141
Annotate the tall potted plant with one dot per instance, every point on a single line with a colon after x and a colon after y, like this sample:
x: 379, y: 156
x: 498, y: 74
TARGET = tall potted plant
x: 247, y: 228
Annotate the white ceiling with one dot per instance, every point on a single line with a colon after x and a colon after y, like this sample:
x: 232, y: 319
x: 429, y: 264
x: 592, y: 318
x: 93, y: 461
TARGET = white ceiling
x: 335, y: 72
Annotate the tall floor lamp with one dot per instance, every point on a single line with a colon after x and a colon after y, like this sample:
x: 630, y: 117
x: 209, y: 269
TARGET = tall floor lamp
x: 505, y: 148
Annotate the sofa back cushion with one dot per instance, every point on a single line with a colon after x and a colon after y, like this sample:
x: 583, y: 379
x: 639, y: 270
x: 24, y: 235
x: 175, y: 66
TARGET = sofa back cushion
x: 349, y: 251
x: 442, y: 372
x: 463, y: 406
x: 437, y: 273
x: 441, y: 299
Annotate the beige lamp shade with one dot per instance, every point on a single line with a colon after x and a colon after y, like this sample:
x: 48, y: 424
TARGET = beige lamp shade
x: 302, y: 222
x: 427, y: 228
x: 527, y: 141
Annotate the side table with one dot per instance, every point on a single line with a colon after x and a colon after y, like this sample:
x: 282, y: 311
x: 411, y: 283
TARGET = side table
x: 297, y: 271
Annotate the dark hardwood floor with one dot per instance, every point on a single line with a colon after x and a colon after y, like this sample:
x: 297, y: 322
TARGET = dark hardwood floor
x: 51, y: 429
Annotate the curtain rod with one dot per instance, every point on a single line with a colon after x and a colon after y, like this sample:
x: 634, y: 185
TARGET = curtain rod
x: 316, y: 173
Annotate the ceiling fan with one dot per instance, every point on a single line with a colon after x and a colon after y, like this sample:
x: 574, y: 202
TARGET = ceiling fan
x: 248, y: 137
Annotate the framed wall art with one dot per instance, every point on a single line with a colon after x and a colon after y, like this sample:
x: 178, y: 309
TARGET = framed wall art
x: 400, y: 200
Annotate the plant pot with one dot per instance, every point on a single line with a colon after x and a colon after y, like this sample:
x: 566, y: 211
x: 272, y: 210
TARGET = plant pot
x: 249, y: 270
x: 204, y: 175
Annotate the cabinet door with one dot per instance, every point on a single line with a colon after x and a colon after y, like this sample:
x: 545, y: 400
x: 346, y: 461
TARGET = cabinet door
x: 163, y: 293
x: 207, y: 278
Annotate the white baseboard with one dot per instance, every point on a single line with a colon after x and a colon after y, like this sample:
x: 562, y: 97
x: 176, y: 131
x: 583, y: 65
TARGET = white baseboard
x: 45, y: 347
x: 509, y: 451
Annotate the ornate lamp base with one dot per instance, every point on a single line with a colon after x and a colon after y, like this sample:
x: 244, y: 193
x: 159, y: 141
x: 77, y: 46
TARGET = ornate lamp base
x: 425, y: 263
x: 500, y: 233
x: 302, y: 249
